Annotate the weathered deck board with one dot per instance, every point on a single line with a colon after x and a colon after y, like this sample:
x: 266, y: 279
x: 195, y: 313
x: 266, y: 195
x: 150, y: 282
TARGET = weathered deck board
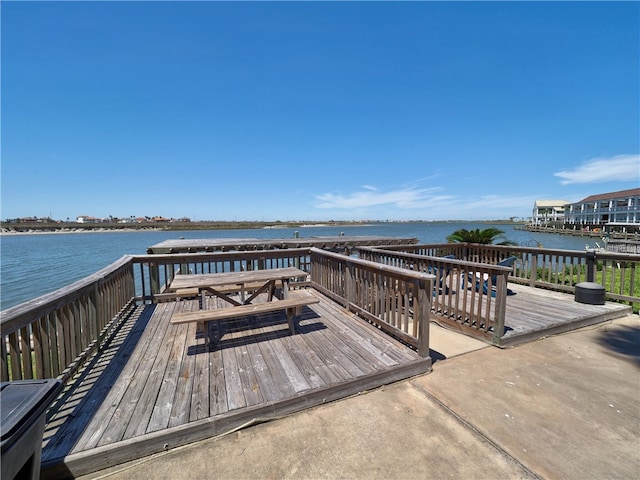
x: 162, y: 386
x: 97, y: 385
x: 534, y: 313
x: 180, y: 408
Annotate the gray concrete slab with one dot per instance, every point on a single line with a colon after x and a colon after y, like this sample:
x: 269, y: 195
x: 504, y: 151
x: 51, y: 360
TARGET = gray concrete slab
x: 392, y: 432
x: 566, y: 406
x: 563, y: 407
x: 446, y: 343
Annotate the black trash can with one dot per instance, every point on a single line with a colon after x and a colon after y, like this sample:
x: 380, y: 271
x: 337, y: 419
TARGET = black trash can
x: 23, y: 405
x: 590, y: 292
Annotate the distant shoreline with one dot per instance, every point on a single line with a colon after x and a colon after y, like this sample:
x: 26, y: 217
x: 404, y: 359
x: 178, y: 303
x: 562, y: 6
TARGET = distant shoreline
x: 65, y: 228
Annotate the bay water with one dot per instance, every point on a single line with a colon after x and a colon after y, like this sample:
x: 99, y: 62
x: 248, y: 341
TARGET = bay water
x: 35, y: 264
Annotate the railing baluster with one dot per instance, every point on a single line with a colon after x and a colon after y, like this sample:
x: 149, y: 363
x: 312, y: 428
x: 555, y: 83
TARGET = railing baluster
x: 39, y: 349
x: 25, y: 352
x: 14, y: 356
x: 4, y: 361
x: 52, y: 324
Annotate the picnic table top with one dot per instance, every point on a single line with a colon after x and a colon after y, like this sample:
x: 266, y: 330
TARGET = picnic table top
x: 234, y: 278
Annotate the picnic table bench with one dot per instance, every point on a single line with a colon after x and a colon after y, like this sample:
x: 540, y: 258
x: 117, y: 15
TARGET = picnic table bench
x: 292, y: 307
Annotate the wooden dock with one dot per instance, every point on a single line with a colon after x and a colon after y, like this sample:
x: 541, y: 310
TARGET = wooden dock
x: 338, y: 243
x: 156, y: 386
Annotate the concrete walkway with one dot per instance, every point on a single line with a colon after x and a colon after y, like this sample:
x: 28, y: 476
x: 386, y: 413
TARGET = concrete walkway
x: 563, y: 407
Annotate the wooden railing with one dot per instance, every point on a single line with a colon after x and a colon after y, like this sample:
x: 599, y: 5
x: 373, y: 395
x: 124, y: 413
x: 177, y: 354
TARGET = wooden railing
x: 154, y: 272
x: 553, y: 269
x: 395, y: 299
x: 53, y: 335
x: 457, y: 296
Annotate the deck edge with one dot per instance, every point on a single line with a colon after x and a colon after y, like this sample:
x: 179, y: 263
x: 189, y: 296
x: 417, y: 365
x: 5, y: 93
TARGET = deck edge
x: 508, y: 342
x: 96, y: 459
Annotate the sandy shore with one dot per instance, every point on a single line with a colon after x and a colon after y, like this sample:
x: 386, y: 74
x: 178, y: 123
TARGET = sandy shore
x: 7, y: 231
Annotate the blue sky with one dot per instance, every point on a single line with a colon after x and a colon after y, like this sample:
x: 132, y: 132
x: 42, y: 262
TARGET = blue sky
x: 316, y: 110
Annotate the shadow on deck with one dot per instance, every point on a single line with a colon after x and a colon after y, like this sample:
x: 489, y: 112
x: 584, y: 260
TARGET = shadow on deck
x: 156, y: 386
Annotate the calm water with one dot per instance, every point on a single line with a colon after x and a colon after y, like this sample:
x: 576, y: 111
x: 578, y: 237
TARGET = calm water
x: 32, y: 265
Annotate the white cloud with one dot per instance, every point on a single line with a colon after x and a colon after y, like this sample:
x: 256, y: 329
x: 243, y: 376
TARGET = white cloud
x: 616, y: 168
x: 407, y: 198
x: 428, y: 203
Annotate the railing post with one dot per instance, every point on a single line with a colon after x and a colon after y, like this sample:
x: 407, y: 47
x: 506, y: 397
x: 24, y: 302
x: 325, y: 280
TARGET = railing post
x: 421, y: 311
x: 349, y: 285
x: 501, y: 307
x: 312, y: 268
x: 154, y: 278
x: 591, y: 265
x: 97, y: 311
x: 533, y: 277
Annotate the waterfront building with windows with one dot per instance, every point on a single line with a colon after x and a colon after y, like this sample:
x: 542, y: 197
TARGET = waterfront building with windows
x: 614, y: 211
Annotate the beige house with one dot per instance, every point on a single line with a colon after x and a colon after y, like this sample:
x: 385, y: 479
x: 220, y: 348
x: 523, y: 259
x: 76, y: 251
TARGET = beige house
x: 549, y: 212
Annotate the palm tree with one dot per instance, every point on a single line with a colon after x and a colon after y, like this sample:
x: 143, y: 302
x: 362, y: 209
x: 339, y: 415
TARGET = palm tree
x: 486, y: 236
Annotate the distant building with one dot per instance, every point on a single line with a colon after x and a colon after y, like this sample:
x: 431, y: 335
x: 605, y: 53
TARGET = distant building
x: 29, y: 220
x: 618, y: 211
x: 87, y: 219
x: 549, y: 212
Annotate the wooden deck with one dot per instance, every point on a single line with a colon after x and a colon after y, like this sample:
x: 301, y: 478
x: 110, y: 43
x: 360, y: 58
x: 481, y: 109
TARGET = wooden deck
x: 155, y: 386
x: 534, y: 313
x: 531, y: 313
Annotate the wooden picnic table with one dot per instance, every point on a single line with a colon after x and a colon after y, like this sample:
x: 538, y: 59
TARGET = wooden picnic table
x: 223, y: 285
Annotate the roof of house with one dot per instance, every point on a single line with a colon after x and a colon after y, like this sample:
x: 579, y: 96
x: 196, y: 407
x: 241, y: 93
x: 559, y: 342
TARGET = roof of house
x: 633, y: 192
x: 551, y: 203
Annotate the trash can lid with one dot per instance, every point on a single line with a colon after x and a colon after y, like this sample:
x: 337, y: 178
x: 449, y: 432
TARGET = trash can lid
x: 21, y: 403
